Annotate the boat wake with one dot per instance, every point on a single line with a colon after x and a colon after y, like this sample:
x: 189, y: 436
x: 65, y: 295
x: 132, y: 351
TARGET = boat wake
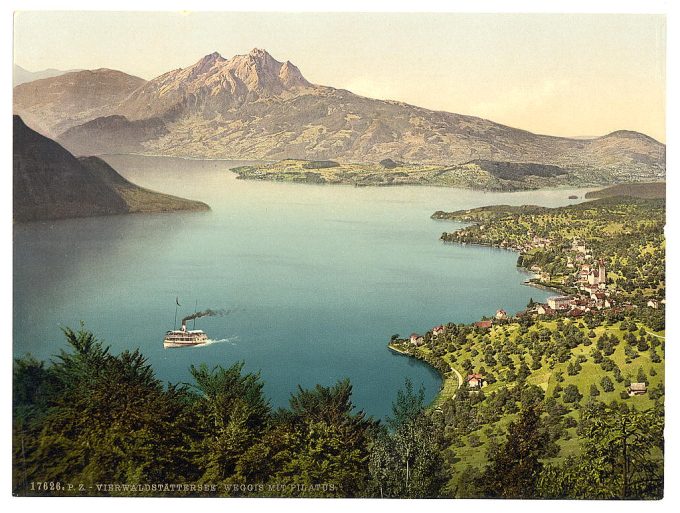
x: 229, y: 340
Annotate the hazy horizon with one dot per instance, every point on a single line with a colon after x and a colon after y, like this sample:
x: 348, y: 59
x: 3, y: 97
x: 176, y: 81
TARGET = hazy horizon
x: 555, y: 74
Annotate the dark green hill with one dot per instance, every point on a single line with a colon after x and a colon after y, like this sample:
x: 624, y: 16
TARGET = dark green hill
x: 635, y: 190
x: 50, y: 183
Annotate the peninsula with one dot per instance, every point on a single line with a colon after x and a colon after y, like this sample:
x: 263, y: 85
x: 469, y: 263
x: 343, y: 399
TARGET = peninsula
x: 476, y: 174
x: 50, y: 183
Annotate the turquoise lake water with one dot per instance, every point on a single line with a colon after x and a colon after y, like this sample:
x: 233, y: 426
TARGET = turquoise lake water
x: 318, y: 277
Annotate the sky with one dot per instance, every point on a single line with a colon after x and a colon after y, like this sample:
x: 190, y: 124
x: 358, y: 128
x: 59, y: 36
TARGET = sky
x: 557, y: 74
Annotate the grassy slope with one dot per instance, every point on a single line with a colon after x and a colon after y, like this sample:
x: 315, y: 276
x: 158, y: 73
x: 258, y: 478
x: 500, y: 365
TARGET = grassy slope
x: 545, y: 378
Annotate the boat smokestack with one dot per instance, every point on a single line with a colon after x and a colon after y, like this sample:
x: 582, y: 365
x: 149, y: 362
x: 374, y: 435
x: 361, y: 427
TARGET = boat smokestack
x: 184, y: 327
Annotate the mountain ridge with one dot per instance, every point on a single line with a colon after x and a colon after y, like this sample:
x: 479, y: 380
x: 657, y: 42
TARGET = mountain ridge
x: 253, y: 106
x: 53, y: 105
x: 22, y: 75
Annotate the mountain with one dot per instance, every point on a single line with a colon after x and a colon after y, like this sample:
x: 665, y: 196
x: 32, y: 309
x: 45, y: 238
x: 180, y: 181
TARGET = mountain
x: 50, y: 183
x: 53, y: 105
x: 21, y: 75
x: 255, y: 107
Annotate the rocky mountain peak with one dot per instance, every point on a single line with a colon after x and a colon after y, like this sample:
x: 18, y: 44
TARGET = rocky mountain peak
x: 291, y: 76
x: 259, y: 53
x: 261, y: 72
x: 206, y: 64
x: 213, y: 58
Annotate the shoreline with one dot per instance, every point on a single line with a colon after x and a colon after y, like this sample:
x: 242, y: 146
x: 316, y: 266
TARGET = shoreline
x: 452, y: 381
x: 448, y: 381
x: 558, y: 187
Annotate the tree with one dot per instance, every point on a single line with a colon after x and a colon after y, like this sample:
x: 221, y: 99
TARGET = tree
x: 406, y: 459
x: 106, y: 419
x: 321, y: 440
x: 606, y: 384
x: 594, y: 392
x: 571, y: 394
x: 618, y: 459
x: 523, y: 373
x: 231, y: 415
x: 514, y: 470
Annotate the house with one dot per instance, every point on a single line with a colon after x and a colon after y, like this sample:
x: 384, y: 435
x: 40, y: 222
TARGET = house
x: 475, y: 380
x: 438, y: 330
x: 540, y: 242
x: 575, y: 313
x: 637, y: 389
x: 653, y: 303
x: 416, y: 340
x: 559, y: 302
x: 501, y: 314
x: 483, y: 324
x: 598, y: 296
x: 581, y: 303
x: 578, y: 246
x: 544, y: 310
x: 591, y: 289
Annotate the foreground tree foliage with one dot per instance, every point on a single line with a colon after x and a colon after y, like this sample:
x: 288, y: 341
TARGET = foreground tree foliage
x: 232, y: 414
x: 515, y: 468
x: 617, y: 460
x: 94, y: 418
x: 406, y: 459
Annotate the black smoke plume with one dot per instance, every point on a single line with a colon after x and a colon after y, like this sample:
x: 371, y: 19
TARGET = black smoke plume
x: 206, y: 313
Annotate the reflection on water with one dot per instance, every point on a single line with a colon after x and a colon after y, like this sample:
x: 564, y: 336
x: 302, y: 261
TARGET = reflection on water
x: 322, y: 276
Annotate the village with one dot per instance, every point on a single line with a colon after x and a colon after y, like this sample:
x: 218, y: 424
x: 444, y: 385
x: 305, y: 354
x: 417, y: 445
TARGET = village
x: 591, y: 293
x: 591, y: 290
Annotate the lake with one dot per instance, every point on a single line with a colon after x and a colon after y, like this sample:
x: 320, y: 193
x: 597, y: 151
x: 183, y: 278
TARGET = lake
x: 317, y: 278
